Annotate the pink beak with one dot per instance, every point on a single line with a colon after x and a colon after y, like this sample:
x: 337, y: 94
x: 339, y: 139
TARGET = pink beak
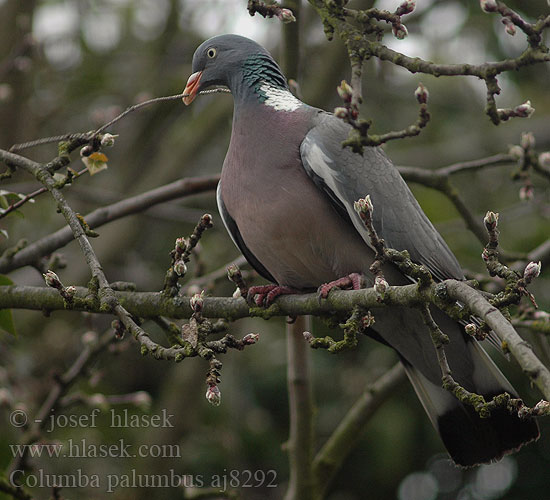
x: 192, y: 87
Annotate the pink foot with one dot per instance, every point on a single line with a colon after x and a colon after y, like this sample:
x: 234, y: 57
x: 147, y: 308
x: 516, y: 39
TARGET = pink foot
x: 266, y: 294
x: 353, y: 281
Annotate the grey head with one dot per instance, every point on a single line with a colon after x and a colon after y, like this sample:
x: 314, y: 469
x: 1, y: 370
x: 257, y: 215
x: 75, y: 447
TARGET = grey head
x: 236, y: 62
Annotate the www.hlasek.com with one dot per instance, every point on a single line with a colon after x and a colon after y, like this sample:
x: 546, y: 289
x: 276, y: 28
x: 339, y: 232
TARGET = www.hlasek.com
x: 230, y: 479
x: 82, y: 448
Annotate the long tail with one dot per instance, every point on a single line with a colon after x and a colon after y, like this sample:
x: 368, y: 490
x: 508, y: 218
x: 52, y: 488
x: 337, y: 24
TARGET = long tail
x: 469, y: 439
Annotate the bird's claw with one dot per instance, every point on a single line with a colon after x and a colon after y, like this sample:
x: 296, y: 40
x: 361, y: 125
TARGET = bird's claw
x: 265, y: 295
x: 353, y: 281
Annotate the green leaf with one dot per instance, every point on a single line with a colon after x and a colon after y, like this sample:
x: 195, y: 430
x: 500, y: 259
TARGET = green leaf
x: 4, y: 202
x: 6, y: 316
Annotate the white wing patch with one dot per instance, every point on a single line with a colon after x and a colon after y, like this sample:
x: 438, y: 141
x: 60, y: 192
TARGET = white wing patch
x: 320, y: 163
x: 279, y: 99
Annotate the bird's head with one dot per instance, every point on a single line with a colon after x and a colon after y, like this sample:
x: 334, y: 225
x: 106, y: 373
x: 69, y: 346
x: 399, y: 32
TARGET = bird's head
x: 231, y: 60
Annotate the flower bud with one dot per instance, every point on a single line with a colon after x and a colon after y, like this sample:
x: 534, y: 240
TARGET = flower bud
x: 70, y: 291
x: 206, y: 221
x: 52, y: 279
x: 308, y: 336
x: 544, y: 159
x: 421, y: 93
x: 527, y: 140
x: 488, y: 5
x: 345, y: 91
x: 197, y: 302
x: 86, y: 151
x: 405, y: 8
x: 363, y: 205
x: 524, y: 110
x: 485, y: 255
x: 213, y: 395
x: 491, y: 220
x: 108, y: 140
x: 542, y: 408
x: 532, y: 271
x: 180, y: 268
x: 181, y: 244
x: 380, y: 286
x: 509, y: 26
x: 516, y: 152
x: 470, y: 329
x: 367, y: 321
x: 341, y: 113
x: 399, y: 31
x: 233, y: 272
x: 119, y: 328
x: 286, y: 16
x: 251, y: 338
x: 237, y: 293
x: 523, y: 411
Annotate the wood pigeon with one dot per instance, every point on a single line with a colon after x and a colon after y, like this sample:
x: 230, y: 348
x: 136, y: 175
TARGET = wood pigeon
x: 286, y: 197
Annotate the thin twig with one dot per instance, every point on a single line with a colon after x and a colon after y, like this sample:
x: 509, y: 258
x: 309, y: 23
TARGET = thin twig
x: 90, y: 135
x: 33, y: 195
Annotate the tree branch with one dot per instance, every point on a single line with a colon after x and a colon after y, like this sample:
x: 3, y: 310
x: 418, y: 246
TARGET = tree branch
x: 135, y: 204
x: 335, y: 18
x: 520, y: 349
x: 300, y: 442
x: 152, y: 304
x: 439, y: 179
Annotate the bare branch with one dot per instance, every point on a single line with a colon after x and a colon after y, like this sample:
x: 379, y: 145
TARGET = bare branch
x: 152, y: 304
x: 300, y: 442
x: 45, y: 246
x: 337, y: 18
x: 521, y: 351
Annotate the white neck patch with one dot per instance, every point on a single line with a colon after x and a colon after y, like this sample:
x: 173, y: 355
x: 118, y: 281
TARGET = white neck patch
x: 279, y: 99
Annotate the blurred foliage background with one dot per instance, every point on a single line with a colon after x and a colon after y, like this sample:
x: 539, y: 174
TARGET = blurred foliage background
x: 71, y: 65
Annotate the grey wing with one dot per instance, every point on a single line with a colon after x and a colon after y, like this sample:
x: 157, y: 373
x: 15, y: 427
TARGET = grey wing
x: 346, y: 176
